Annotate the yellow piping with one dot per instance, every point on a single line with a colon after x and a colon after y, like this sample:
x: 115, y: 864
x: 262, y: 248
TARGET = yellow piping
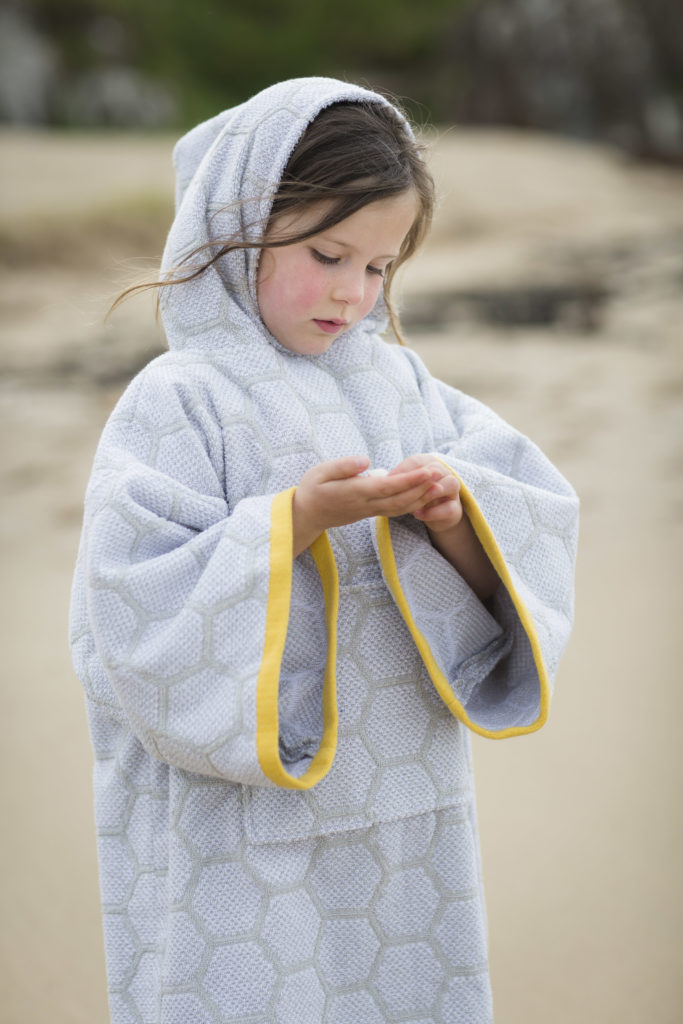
x: 443, y: 688
x: 277, y: 620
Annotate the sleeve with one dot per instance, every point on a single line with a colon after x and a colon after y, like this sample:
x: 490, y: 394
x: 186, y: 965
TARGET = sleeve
x: 493, y: 663
x: 182, y: 602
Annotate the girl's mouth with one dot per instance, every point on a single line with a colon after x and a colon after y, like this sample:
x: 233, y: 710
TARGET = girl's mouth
x: 331, y: 326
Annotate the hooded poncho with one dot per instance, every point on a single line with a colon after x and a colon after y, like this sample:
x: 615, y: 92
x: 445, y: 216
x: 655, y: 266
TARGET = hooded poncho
x: 283, y: 790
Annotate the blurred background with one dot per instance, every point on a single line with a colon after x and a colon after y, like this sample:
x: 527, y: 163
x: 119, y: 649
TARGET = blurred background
x: 551, y: 289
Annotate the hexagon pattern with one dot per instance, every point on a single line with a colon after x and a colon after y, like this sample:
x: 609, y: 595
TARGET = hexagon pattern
x: 357, y: 900
x: 228, y: 899
x: 361, y: 898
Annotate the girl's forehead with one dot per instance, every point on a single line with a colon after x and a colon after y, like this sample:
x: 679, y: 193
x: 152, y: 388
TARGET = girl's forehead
x: 382, y: 222
x: 389, y: 218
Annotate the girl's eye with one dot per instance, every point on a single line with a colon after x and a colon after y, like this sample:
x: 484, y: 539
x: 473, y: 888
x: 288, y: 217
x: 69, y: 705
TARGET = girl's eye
x: 321, y: 258
x: 328, y: 260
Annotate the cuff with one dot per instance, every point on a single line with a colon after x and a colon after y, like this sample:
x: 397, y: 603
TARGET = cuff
x: 459, y: 640
x: 525, y: 622
x: 277, y: 619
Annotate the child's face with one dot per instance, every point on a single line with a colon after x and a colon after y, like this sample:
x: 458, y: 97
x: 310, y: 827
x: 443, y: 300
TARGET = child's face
x: 311, y: 292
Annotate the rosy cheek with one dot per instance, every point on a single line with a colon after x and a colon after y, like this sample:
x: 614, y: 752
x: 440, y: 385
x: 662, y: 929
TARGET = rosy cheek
x: 306, y: 288
x: 307, y: 294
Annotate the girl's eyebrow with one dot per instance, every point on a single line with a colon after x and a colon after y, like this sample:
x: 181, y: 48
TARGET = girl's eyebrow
x: 347, y: 245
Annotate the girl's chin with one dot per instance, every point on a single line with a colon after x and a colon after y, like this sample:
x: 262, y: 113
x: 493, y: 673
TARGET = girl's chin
x: 312, y: 339
x: 308, y: 347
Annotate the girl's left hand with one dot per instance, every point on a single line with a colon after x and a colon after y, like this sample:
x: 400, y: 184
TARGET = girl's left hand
x: 443, y: 509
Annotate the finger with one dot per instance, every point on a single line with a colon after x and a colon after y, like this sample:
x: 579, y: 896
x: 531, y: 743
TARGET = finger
x: 449, y: 485
x: 405, y: 501
x: 434, y: 503
x: 441, y: 491
x: 391, y: 485
x: 341, y: 469
x: 443, y: 510
x: 424, y: 459
x: 412, y: 462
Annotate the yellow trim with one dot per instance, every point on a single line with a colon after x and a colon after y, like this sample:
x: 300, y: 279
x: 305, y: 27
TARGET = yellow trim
x: 277, y: 620
x: 443, y: 688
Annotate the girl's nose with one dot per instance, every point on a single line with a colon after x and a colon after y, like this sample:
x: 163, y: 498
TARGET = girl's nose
x: 349, y: 288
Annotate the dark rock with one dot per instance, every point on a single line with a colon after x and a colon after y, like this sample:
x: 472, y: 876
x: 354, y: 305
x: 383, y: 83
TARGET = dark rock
x: 569, y: 306
x: 596, y: 69
x: 117, y: 96
x: 29, y: 71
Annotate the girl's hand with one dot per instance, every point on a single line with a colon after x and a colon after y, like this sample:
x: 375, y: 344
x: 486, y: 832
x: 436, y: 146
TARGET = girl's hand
x: 450, y: 530
x: 333, y: 494
x: 443, y: 510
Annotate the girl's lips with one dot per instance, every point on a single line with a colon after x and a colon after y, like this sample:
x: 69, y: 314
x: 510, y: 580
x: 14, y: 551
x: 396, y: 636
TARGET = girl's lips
x: 331, y: 326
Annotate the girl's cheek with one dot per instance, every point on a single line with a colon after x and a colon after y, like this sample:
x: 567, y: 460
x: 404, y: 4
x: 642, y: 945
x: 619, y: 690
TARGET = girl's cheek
x: 371, y: 296
x: 310, y: 288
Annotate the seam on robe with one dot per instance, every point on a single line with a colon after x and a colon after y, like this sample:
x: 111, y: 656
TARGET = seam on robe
x: 277, y: 619
x: 460, y: 802
x: 469, y: 670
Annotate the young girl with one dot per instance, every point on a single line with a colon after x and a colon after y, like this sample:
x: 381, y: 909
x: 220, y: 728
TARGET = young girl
x: 307, y: 570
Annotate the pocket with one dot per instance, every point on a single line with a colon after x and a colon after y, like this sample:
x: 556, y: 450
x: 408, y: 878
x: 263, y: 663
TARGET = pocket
x: 281, y: 816
x: 400, y: 751
x: 368, y: 783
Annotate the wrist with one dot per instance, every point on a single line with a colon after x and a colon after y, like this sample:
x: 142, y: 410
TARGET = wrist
x: 304, y: 527
x: 460, y: 546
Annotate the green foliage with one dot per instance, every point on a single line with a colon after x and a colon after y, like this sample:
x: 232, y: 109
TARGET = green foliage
x: 214, y: 54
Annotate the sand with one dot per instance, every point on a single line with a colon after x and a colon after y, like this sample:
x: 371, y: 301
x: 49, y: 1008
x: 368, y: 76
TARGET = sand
x: 581, y: 824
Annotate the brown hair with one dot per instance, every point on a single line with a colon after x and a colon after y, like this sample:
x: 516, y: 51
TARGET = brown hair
x: 352, y: 154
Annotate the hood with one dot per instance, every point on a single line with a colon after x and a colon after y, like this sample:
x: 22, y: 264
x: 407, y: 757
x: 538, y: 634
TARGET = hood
x: 239, y: 157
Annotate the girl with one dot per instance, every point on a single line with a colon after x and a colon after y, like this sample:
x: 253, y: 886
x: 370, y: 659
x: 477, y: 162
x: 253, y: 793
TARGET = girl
x: 284, y: 648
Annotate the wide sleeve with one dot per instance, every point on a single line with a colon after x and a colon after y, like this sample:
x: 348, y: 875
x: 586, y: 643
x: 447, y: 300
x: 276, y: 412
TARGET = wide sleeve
x: 493, y: 663
x: 182, y: 602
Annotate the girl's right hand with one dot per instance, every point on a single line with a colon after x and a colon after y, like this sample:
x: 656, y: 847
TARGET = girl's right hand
x: 333, y: 494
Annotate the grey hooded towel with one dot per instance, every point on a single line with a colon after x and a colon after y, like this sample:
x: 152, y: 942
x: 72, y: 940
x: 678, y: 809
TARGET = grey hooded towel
x: 283, y: 793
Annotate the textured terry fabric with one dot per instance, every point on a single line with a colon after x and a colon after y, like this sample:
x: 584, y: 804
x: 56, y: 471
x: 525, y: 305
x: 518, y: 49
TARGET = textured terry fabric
x: 229, y: 894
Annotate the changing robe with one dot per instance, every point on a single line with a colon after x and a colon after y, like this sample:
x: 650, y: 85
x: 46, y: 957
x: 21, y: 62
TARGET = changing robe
x: 283, y: 787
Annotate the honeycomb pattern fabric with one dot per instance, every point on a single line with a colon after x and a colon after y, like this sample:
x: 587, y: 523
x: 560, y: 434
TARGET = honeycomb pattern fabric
x: 283, y: 790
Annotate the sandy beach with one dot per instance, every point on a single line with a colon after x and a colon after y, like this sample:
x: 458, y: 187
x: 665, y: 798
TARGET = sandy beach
x: 580, y: 823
